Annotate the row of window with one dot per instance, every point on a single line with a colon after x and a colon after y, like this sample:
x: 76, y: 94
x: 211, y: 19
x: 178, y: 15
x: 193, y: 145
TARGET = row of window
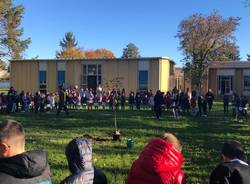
x: 225, y: 84
x: 43, y: 79
x: 85, y: 79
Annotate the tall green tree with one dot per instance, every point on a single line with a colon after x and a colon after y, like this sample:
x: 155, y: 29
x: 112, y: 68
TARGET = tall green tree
x: 69, y: 48
x: 11, y: 43
x: 204, y: 39
x: 68, y: 41
x: 131, y: 51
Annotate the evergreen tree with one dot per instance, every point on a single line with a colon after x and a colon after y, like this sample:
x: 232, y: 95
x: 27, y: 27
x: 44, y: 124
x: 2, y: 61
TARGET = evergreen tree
x: 69, y: 49
x: 69, y: 41
x: 130, y: 51
x: 11, y: 44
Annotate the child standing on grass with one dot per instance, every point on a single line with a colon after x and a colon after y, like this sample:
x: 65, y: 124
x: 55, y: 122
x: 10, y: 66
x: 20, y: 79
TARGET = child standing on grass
x: 104, y: 100
x: 225, y: 103
x: 111, y: 101
x: 175, y: 103
x: 193, y: 105
x: 167, y: 100
x: 151, y: 102
x: 123, y: 100
x: 131, y: 100
x: 90, y: 100
x: 138, y: 101
x: 96, y: 102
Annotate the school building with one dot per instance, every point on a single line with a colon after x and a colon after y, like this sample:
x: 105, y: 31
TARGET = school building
x: 222, y: 77
x: 132, y: 74
x: 230, y: 76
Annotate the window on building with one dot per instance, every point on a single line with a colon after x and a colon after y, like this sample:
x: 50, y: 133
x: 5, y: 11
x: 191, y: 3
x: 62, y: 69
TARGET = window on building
x: 84, y: 76
x: 92, y: 69
x: 225, y: 84
x: 99, y: 69
x: 42, y: 81
x: 60, y: 78
x: 91, y: 75
x: 247, y: 83
x: 143, y: 80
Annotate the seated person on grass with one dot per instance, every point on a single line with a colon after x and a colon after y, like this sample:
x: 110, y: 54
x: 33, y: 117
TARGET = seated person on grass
x: 233, y: 169
x: 79, y: 156
x: 16, y: 165
x: 159, y: 163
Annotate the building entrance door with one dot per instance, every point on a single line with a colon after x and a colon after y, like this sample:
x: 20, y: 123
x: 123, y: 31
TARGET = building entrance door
x: 225, y: 84
x: 92, y: 83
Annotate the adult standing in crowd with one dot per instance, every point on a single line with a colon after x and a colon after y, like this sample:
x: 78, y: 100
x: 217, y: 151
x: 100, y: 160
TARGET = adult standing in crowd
x: 17, y: 165
x: 62, y: 102
x: 210, y: 99
x: 233, y: 169
x: 11, y: 99
x: 158, y: 101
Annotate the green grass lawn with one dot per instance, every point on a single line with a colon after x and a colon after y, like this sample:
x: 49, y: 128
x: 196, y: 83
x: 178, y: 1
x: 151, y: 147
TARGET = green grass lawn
x: 201, y: 137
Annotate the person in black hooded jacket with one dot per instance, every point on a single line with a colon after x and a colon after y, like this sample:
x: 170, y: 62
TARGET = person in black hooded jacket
x: 233, y: 169
x: 16, y: 165
x: 79, y: 156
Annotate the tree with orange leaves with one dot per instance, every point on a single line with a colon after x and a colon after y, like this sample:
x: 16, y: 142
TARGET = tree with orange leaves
x: 99, y: 53
x: 104, y: 53
x: 90, y: 54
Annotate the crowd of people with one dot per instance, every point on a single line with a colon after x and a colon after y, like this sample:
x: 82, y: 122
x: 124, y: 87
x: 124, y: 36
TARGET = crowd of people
x: 177, y: 102
x: 159, y: 162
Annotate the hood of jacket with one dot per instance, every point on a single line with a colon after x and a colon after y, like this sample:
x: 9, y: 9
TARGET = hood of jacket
x: 79, y: 155
x: 26, y: 165
x: 160, y: 156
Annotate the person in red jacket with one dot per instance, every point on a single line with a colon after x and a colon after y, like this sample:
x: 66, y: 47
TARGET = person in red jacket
x: 159, y: 163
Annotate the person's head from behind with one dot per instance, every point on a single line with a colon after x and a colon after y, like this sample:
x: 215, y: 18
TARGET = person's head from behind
x: 232, y: 150
x: 79, y: 154
x: 173, y: 140
x: 12, y: 138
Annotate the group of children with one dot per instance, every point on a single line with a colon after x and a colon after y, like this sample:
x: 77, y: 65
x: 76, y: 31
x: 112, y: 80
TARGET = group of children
x: 239, y: 104
x: 176, y: 101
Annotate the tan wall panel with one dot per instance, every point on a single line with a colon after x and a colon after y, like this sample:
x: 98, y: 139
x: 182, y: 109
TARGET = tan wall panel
x: 212, y: 80
x: 52, y: 76
x: 154, y: 76
x: 25, y: 79
x: 15, y: 76
x: 133, y: 76
x: 125, y: 69
x: 164, y: 75
x: 33, y: 75
x: 24, y: 76
x: 77, y: 73
x: 123, y: 72
x: 70, y: 73
x: 109, y: 72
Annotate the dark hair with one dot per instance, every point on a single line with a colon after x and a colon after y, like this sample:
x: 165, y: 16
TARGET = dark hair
x: 11, y: 128
x: 233, y: 149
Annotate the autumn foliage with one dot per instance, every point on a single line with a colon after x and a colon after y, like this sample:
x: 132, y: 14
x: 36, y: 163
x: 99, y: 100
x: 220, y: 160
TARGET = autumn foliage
x: 99, y: 53
x: 71, y: 53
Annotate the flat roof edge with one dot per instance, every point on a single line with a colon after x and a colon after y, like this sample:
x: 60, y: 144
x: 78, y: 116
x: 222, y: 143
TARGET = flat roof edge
x: 91, y: 59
